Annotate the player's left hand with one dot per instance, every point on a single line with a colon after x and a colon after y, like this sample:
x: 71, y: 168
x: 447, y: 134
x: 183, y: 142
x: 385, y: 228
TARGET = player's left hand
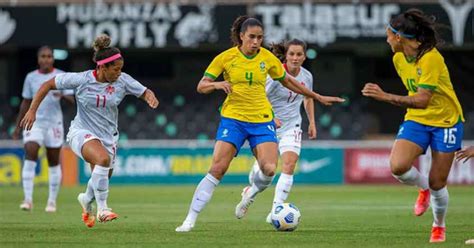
x: 465, y: 154
x: 151, y: 99
x: 374, y: 91
x: 312, y: 131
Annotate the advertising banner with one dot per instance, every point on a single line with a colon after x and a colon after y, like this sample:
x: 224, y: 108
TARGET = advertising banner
x: 368, y: 165
x: 187, y: 165
x: 11, y: 161
x: 161, y: 25
x: 372, y: 165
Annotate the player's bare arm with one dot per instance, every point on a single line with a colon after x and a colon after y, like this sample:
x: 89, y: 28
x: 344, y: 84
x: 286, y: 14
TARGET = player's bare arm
x: 420, y: 100
x: 208, y: 85
x: 292, y: 84
x: 24, y: 106
x: 30, y: 116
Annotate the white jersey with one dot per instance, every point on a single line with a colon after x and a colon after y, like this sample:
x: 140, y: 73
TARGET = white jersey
x: 286, y: 103
x: 49, y: 111
x: 97, y: 103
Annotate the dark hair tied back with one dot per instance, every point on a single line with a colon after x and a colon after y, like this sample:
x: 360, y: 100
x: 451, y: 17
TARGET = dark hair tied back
x: 240, y: 25
x: 415, y: 22
x: 102, y: 49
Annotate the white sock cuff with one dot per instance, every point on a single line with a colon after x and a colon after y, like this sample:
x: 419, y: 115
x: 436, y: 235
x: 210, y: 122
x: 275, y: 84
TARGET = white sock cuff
x: 409, y: 175
x: 439, y: 193
x: 54, y: 169
x: 286, y: 177
x: 264, y: 177
x: 212, y: 179
x: 30, y: 164
x: 101, y: 170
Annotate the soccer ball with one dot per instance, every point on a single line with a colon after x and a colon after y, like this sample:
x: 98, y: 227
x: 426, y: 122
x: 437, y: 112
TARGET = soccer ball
x: 285, y: 217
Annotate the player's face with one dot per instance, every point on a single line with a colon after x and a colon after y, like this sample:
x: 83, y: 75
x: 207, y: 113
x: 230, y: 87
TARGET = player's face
x: 45, y: 60
x: 252, y: 39
x: 394, y: 41
x: 295, y: 56
x: 113, y: 71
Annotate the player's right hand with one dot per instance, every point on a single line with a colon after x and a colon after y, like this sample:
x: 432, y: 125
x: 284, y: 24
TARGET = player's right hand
x: 224, y: 85
x: 28, y: 120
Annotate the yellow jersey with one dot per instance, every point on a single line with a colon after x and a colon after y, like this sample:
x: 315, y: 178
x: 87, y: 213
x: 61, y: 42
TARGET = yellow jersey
x: 430, y: 72
x: 247, y: 75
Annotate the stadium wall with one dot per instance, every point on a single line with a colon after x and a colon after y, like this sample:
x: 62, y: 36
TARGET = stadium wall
x: 186, y: 162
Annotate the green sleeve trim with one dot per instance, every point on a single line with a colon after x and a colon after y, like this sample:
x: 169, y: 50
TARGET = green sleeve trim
x: 426, y: 86
x: 281, y: 78
x: 207, y: 74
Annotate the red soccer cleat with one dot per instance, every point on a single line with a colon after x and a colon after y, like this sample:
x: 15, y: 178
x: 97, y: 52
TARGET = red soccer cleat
x: 88, y: 219
x: 438, y: 234
x: 422, y: 202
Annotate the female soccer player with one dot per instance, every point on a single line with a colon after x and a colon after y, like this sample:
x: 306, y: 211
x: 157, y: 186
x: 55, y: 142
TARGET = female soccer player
x: 47, y: 131
x: 93, y: 132
x: 286, y: 105
x: 246, y: 113
x: 434, y: 116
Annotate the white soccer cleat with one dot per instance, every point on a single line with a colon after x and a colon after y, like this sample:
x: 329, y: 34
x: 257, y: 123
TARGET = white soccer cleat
x: 106, y: 215
x: 253, y: 172
x: 269, y: 218
x: 50, y: 207
x: 185, y: 227
x: 243, y: 206
x: 86, y: 205
x: 26, y: 206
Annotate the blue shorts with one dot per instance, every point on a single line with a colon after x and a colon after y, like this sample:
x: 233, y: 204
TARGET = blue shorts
x: 236, y: 132
x: 440, y: 139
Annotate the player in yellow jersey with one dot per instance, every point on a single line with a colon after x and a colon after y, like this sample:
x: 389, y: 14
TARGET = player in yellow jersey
x: 246, y: 113
x: 434, y: 116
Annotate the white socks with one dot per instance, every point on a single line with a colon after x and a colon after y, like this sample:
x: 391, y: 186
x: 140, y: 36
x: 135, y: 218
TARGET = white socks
x: 54, y: 182
x: 439, y: 204
x: 201, y: 197
x: 414, y: 177
x: 260, y: 183
x: 89, y: 191
x: 282, y: 188
x: 100, y: 184
x: 28, y: 175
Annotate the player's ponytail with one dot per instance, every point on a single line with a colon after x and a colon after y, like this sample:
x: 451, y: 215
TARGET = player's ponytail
x: 240, y: 25
x: 415, y: 24
x: 103, y: 50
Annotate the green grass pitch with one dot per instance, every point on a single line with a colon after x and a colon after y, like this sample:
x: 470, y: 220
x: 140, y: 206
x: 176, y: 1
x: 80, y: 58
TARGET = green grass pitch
x: 332, y: 216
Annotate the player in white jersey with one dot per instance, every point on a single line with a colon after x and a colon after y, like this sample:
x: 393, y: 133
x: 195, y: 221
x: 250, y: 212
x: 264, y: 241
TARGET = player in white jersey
x: 47, y: 130
x: 286, y: 105
x: 93, y: 132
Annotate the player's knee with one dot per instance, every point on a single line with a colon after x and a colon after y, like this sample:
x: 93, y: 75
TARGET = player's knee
x: 217, y: 171
x: 288, y: 168
x: 398, y: 168
x: 103, y: 160
x: 268, y: 169
x: 437, y: 184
